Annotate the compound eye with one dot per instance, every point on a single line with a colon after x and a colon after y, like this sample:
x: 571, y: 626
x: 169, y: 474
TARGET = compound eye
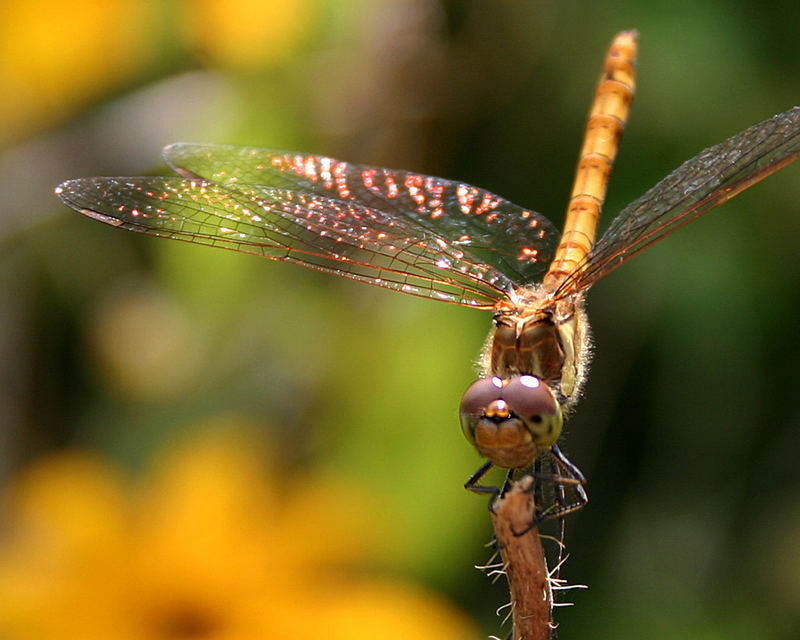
x: 528, y: 397
x: 480, y: 394
x: 533, y: 401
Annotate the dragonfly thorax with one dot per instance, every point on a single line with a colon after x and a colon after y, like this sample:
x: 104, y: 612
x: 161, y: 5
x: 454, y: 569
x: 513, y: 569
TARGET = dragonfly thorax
x: 540, y: 336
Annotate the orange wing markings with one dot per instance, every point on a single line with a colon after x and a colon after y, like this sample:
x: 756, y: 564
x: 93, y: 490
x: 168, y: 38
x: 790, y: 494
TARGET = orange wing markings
x: 607, y: 117
x: 343, y: 238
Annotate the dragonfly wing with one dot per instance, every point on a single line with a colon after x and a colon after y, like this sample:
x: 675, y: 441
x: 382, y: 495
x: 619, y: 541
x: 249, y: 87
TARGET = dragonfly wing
x: 710, y: 178
x: 339, y: 237
x: 516, y: 241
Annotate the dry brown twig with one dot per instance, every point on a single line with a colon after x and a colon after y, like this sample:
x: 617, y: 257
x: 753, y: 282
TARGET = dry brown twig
x: 523, y: 562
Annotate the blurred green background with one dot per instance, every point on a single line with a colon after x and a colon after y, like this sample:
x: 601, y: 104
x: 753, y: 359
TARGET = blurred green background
x: 687, y: 432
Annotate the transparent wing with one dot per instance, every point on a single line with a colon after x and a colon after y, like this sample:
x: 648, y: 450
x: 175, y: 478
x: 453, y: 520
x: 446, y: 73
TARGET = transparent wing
x: 339, y: 237
x: 697, y: 186
x: 515, y: 241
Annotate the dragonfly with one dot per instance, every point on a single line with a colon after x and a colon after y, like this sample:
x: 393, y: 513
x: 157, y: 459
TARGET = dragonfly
x: 456, y: 243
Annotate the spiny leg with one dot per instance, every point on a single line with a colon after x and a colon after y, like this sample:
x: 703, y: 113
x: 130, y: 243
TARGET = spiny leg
x: 472, y: 482
x: 573, y: 478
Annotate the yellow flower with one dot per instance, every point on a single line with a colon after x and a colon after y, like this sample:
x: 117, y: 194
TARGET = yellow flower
x: 247, y: 34
x: 206, y: 548
x: 56, y: 56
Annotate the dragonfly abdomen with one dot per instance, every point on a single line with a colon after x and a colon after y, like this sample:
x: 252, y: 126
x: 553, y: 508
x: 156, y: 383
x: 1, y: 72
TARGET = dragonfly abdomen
x: 606, y: 121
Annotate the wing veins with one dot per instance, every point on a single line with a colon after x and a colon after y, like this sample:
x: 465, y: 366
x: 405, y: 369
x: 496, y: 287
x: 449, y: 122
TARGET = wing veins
x: 733, y: 168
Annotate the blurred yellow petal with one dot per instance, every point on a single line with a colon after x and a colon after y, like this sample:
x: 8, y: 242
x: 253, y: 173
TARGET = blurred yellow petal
x: 64, y: 530
x: 248, y: 34
x: 207, y: 548
x: 55, y: 56
x: 73, y: 494
x: 385, y: 610
x: 208, y: 514
x: 353, y: 523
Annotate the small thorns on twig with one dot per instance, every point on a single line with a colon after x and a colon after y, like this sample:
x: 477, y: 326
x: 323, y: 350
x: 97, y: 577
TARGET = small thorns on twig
x: 496, y: 575
x: 569, y: 587
x: 489, y: 566
x: 560, y: 585
x: 551, y: 538
x: 565, y: 603
x: 557, y: 584
x: 493, y: 570
x: 553, y: 578
x: 553, y: 573
x: 493, y: 557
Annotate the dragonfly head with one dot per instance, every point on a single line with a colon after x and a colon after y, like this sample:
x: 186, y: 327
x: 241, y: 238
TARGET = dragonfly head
x: 509, y: 420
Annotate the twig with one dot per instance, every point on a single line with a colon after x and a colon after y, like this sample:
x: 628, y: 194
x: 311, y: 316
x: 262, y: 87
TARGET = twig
x: 524, y: 563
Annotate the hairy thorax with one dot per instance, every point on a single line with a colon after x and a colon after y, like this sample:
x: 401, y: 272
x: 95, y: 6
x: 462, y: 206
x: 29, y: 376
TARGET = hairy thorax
x: 536, y: 335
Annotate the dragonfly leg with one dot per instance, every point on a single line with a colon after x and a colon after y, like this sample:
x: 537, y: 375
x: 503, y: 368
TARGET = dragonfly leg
x: 573, y: 477
x: 567, y: 464
x: 507, y: 482
x: 561, y: 499
x: 472, y: 482
x: 538, y: 487
x: 569, y: 476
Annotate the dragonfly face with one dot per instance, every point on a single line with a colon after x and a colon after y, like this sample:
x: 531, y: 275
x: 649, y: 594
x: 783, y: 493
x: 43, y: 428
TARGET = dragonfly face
x: 510, y: 420
x: 449, y: 241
